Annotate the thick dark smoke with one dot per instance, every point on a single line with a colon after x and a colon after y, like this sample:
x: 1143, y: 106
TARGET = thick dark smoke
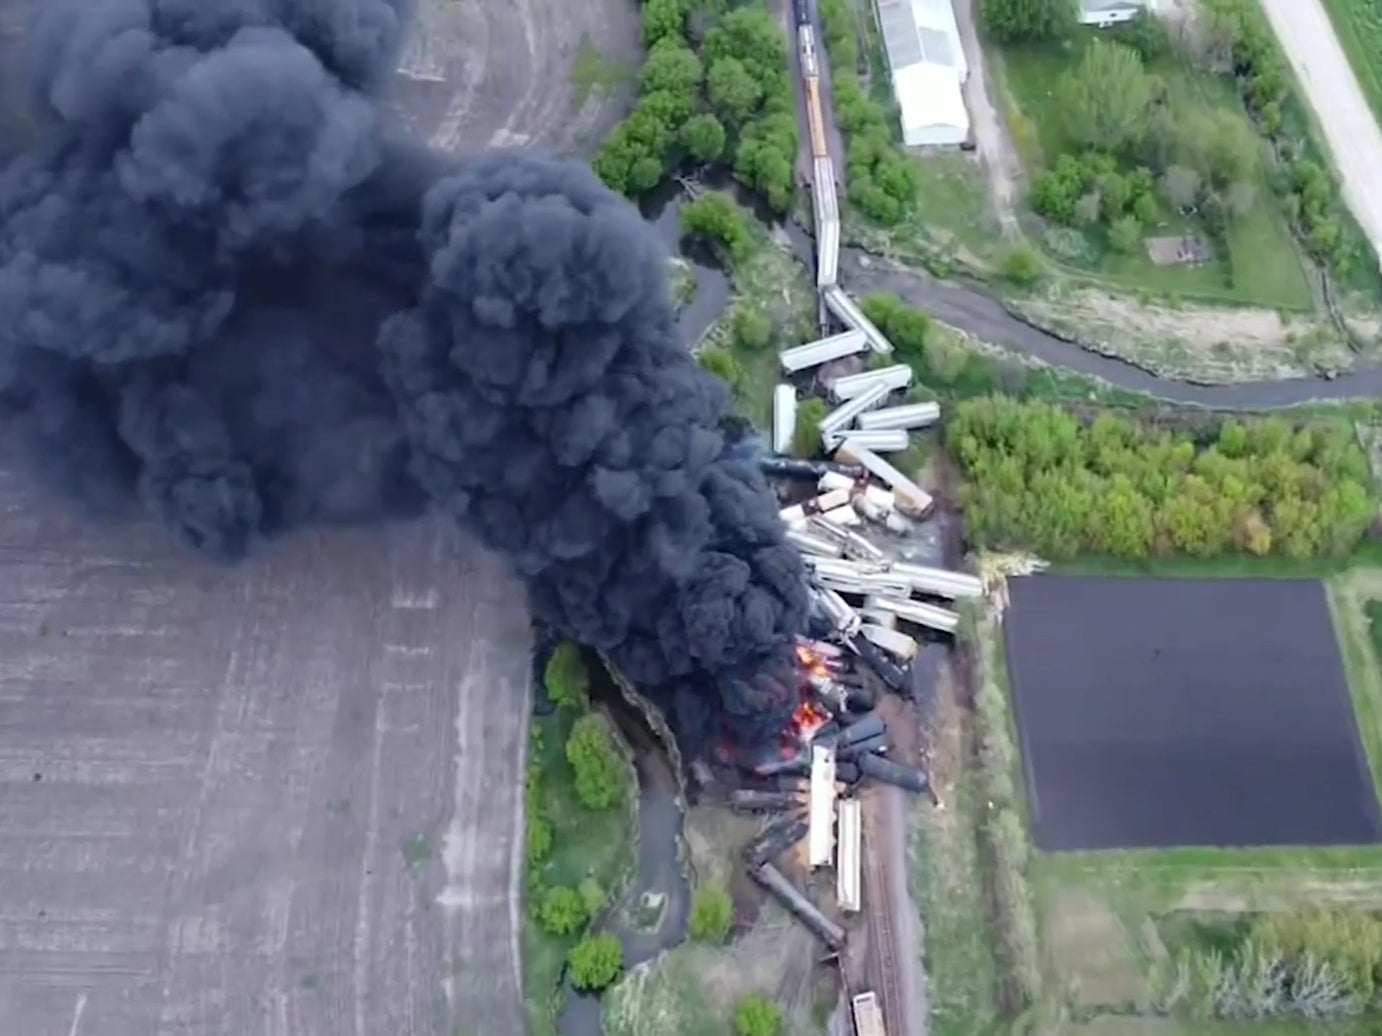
x: 227, y: 290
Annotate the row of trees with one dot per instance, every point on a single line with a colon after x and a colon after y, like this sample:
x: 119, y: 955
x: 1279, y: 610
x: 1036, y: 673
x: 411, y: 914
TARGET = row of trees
x: 883, y: 182
x: 1028, y: 21
x: 601, y: 781
x: 1238, y: 37
x: 1039, y: 478
x: 730, y: 103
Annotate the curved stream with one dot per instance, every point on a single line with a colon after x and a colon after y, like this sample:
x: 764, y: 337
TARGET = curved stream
x: 660, y: 870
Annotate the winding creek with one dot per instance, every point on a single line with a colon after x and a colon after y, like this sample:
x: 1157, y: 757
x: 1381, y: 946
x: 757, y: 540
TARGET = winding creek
x: 661, y: 877
x: 965, y: 305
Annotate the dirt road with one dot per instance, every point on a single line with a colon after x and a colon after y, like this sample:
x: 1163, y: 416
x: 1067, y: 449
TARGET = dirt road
x: 1349, y: 125
x: 280, y: 799
x: 478, y: 74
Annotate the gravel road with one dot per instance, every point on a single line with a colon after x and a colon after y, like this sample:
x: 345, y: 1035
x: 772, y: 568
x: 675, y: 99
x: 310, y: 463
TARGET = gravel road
x: 276, y: 799
x: 1349, y: 125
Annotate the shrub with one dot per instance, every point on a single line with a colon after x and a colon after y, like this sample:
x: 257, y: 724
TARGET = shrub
x: 596, y: 962
x: 566, y: 678
x: 601, y: 779
x: 806, y: 439
x: 593, y: 896
x: 721, y: 363
x: 757, y: 1016
x: 712, y: 914
x: 716, y: 218
x: 753, y: 331
x: 1022, y: 266
x: 562, y: 911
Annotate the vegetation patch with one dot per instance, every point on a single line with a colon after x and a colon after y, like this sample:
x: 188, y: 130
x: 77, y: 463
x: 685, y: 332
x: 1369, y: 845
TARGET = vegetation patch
x: 700, y: 987
x: 708, y: 96
x: 1039, y: 478
x: 774, y: 303
x: 580, y: 839
x: 1129, y: 142
x: 881, y: 181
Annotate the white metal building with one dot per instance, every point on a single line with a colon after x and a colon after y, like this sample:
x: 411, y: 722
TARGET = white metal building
x: 928, y: 66
x: 1103, y: 13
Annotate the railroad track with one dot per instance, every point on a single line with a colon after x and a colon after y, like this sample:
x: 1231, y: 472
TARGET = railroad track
x: 884, y: 938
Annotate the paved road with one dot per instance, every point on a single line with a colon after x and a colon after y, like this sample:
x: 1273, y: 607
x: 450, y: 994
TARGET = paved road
x: 478, y: 74
x: 1349, y: 124
x: 279, y: 799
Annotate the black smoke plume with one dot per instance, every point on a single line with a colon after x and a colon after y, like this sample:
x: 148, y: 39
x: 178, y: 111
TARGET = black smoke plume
x: 229, y: 291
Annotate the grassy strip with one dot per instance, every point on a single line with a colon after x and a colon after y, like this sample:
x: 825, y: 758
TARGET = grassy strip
x: 1003, y: 831
x: 1358, y: 25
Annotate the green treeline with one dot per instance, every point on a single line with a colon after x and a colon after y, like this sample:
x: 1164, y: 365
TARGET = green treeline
x: 1039, y: 478
x: 882, y: 181
x: 716, y: 96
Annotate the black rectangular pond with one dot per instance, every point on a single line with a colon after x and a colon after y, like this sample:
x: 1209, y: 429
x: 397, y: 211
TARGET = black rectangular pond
x: 1183, y: 712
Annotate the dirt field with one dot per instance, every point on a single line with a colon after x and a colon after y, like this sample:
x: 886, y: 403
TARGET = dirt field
x: 1177, y: 712
x: 480, y: 74
x: 282, y: 798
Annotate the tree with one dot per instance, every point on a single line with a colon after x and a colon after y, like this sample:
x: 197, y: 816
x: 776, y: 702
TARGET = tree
x: 562, y: 911
x: 1241, y: 199
x: 565, y: 677
x: 663, y: 19
x: 719, y: 362
x: 1088, y: 208
x: 1028, y: 20
x: 753, y: 331
x: 757, y: 1016
x: 601, y: 778
x: 595, y: 962
x: 1180, y: 186
x: 734, y: 92
x: 806, y: 438
x: 717, y: 219
x: 703, y: 137
x: 1106, y: 98
x: 905, y: 326
x: 672, y: 67
x: 1125, y: 235
x: 1218, y: 144
x: 712, y: 914
x: 1022, y: 266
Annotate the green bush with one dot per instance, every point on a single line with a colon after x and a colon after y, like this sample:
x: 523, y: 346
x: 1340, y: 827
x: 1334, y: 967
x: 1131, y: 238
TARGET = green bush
x: 562, y: 911
x: 721, y: 363
x: 712, y: 914
x: 539, y: 833
x: 753, y: 330
x: 905, y: 326
x: 593, y: 896
x: 1022, y: 266
x: 757, y: 1016
x: 1038, y: 478
x: 566, y: 678
x: 714, y: 217
x: 596, y: 962
x: 601, y: 777
x: 806, y: 439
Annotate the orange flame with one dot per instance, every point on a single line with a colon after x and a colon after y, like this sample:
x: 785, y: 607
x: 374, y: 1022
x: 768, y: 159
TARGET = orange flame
x: 808, y: 719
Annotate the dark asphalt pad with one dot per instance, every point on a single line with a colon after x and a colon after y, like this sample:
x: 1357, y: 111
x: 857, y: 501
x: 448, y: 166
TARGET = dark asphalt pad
x: 1170, y: 712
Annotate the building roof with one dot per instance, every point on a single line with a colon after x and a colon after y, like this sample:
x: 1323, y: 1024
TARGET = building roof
x: 1098, y: 6
x: 929, y: 95
x: 917, y: 31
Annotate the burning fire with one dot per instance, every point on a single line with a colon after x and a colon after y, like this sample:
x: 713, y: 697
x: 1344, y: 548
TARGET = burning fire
x: 809, y: 719
x: 810, y: 716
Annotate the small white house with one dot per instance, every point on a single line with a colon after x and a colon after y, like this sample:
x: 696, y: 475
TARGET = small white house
x: 1103, y: 13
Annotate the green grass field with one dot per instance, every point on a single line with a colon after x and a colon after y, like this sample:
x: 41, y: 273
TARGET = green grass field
x: 587, y: 844
x: 1267, y: 266
x: 1358, y: 24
